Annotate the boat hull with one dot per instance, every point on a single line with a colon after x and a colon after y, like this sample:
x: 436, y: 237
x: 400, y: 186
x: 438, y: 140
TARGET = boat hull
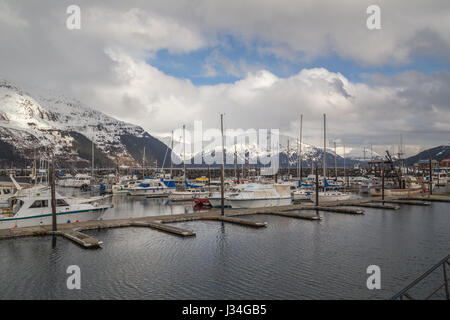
x: 376, y: 192
x: 149, y: 193
x: 334, y: 197
x: 259, y: 203
x: 217, y: 202
x: 46, y: 219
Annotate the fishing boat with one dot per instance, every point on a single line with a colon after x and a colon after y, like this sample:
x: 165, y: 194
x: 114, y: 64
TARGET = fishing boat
x: 259, y: 195
x: 412, y: 187
x: 32, y: 207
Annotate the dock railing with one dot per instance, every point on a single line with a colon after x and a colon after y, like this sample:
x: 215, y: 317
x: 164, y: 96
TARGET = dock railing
x: 405, y: 294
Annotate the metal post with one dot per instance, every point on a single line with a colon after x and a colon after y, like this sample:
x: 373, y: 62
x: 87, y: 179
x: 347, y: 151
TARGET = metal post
x: 53, y: 196
x: 335, y: 162
x: 382, y: 184
x: 222, y: 175
x: 299, y: 155
x: 171, y: 160
x: 345, y: 173
x: 431, y: 179
x: 317, y: 187
x: 184, y: 153
x: 209, y: 178
x: 324, y: 145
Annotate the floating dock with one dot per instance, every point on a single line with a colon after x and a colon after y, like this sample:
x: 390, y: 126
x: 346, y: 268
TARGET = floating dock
x: 73, y: 231
x: 375, y: 206
x: 81, y: 239
x: 297, y: 215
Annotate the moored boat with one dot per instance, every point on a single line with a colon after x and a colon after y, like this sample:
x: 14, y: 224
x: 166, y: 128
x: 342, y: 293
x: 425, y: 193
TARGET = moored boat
x: 32, y: 207
x: 259, y: 195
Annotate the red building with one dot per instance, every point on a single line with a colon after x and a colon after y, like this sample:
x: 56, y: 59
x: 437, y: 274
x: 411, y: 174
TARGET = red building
x: 445, y: 163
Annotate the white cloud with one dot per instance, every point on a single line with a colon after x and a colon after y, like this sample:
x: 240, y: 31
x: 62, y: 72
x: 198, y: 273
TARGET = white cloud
x: 358, y: 113
x: 104, y: 64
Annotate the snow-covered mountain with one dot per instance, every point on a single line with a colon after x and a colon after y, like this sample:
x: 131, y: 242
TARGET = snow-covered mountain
x: 437, y: 153
x: 251, y: 151
x: 32, y: 126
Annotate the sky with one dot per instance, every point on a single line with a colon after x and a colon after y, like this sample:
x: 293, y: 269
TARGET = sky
x: 162, y: 64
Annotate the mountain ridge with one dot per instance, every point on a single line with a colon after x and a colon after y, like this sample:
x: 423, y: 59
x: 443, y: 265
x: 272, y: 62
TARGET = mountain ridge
x: 64, y: 128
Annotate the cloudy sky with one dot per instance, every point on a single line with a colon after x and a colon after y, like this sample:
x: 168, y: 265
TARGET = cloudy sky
x: 161, y: 64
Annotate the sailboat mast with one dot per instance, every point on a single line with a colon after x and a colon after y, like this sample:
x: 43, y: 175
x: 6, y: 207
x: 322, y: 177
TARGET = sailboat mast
x: 235, y: 162
x: 92, y: 151
x: 335, y: 161
x: 222, y: 175
x: 288, y: 158
x: 184, y: 152
x: 143, y: 164
x: 324, y: 145
x: 299, y: 151
x: 171, y: 150
x: 345, y: 173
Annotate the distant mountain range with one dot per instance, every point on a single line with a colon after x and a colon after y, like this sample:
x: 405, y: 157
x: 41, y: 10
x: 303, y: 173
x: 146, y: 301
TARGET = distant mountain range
x: 33, y: 126
x: 36, y: 126
x: 288, y: 156
x: 436, y: 153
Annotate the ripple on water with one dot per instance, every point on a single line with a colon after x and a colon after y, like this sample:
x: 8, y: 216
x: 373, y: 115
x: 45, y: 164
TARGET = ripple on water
x: 290, y: 259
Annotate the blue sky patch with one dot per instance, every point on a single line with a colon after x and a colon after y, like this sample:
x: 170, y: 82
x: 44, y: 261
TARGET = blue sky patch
x: 232, y: 59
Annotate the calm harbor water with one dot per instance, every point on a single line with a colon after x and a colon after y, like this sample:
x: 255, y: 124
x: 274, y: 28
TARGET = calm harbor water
x: 290, y: 259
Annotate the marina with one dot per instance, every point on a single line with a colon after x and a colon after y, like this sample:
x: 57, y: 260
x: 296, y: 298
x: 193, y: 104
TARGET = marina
x: 284, y: 244
x: 224, y: 154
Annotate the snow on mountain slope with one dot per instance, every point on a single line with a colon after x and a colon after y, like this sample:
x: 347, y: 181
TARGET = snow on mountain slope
x: 64, y: 127
x: 251, y: 151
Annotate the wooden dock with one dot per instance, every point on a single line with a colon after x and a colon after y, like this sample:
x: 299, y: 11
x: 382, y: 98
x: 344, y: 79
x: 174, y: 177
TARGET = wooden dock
x: 243, y: 222
x: 164, y: 227
x: 339, y: 210
x: 297, y: 215
x: 73, y: 231
x: 79, y: 238
x: 409, y: 202
x: 375, y: 206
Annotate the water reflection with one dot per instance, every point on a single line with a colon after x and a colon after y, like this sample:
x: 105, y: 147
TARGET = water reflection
x: 290, y: 259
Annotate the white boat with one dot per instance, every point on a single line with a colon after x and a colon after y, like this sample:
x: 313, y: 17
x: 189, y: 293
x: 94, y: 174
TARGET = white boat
x: 259, y: 195
x: 367, y: 185
x: 124, y: 183
x: 6, y: 192
x: 32, y: 207
x: 79, y: 181
x: 334, y: 196
x: 187, y: 195
x: 150, y: 188
x: 302, y: 194
x: 412, y: 187
x: 215, y: 198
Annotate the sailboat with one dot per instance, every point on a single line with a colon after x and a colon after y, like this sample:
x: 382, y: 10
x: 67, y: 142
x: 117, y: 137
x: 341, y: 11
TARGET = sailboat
x: 327, y: 195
